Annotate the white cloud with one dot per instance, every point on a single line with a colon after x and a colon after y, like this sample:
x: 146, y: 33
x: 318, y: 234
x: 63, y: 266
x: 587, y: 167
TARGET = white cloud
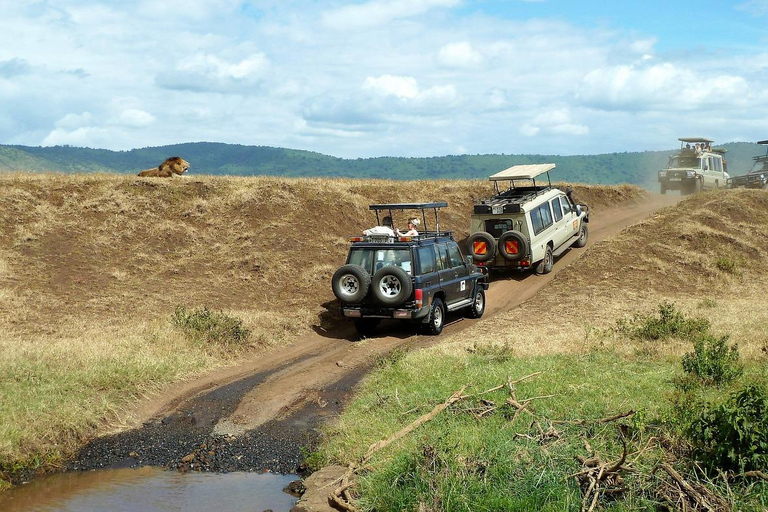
x: 403, y: 87
x: 554, y: 122
x: 205, y: 72
x: 379, y: 12
x: 660, y: 87
x: 460, y: 55
x: 136, y: 118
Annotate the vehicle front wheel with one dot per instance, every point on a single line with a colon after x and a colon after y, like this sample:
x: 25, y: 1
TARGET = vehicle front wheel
x: 477, y: 308
x: 545, y: 265
x: 583, y: 236
x: 434, y: 325
x: 663, y: 188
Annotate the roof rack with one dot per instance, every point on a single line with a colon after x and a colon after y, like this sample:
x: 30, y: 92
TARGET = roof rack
x: 515, y: 195
x: 390, y: 207
x: 695, y: 139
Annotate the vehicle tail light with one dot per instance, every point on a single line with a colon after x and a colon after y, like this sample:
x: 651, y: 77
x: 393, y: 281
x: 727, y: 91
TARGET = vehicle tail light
x: 404, y: 239
x: 480, y: 247
x: 511, y: 246
x: 356, y: 239
x: 525, y: 263
x: 419, y: 296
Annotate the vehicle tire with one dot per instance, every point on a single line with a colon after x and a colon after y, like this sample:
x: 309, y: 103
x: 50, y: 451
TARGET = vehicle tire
x: 481, y: 236
x: 477, y: 308
x: 522, y: 245
x: 351, y: 283
x: 366, y: 326
x: 663, y: 188
x: 696, y: 187
x: 436, y: 318
x: 583, y: 236
x: 391, y: 285
x: 545, y: 265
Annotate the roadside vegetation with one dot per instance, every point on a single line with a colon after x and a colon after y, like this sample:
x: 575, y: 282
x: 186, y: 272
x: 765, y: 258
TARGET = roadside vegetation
x: 114, y: 287
x: 635, y: 381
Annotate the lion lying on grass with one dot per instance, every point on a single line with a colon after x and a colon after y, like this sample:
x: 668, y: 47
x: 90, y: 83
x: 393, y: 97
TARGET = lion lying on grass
x: 174, y: 166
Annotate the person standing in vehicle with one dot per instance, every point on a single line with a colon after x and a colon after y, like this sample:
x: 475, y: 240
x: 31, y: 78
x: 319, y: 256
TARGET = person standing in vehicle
x: 384, y: 229
x: 413, y: 223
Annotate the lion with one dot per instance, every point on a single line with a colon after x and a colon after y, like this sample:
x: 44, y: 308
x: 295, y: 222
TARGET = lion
x: 174, y: 166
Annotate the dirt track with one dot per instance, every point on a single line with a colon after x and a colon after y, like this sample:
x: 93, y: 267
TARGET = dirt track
x: 258, y: 415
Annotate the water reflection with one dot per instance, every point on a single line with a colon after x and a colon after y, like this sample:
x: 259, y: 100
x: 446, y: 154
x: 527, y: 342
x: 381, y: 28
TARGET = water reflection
x: 150, y: 490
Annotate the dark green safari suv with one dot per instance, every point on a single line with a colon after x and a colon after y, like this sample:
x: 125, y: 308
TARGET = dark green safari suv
x: 417, y: 279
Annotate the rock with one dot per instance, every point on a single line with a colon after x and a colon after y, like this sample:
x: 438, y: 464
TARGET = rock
x: 318, y: 488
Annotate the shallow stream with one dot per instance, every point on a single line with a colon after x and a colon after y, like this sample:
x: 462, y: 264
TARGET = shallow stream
x: 151, y: 489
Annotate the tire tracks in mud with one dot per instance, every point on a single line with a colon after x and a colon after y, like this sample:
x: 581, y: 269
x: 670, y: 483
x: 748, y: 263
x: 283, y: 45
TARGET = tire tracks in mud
x: 261, y: 415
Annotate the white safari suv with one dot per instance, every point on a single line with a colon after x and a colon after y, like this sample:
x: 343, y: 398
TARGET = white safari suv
x: 526, y: 223
x: 695, y: 167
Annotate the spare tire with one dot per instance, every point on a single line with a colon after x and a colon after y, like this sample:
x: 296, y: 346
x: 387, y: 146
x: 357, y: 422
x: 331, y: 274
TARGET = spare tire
x: 351, y: 283
x: 490, y: 245
x: 513, y: 236
x: 391, y: 285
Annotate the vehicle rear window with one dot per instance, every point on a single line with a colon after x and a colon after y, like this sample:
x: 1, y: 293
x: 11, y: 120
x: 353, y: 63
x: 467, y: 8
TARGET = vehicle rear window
x: 541, y: 218
x: 496, y: 227
x: 372, y: 259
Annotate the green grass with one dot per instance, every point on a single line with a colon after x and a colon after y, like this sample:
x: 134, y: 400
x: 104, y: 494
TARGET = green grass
x: 461, y: 462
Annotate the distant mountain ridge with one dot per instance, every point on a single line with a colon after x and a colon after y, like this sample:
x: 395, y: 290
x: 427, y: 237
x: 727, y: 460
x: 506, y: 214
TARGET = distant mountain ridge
x: 215, y: 158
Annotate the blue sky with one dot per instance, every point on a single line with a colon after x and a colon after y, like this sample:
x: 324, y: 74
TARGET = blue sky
x: 384, y: 78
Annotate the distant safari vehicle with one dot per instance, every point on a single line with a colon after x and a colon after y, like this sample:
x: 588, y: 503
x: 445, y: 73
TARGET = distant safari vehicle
x: 526, y: 223
x: 695, y: 167
x: 757, y: 177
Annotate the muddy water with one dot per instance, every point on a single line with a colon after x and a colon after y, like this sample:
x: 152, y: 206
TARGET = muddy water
x: 150, y: 490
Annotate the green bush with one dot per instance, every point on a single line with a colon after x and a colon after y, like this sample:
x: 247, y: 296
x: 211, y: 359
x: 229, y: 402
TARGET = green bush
x: 712, y: 360
x: 669, y: 322
x: 206, y: 326
x: 727, y: 265
x: 733, y: 435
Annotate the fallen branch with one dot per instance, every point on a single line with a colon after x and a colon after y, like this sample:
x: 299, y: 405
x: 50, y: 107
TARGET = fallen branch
x: 687, y: 496
x: 757, y: 474
x: 340, y: 497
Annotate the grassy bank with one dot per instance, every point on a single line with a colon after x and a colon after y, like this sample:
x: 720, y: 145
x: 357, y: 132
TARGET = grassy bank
x: 93, y: 267
x: 486, y: 452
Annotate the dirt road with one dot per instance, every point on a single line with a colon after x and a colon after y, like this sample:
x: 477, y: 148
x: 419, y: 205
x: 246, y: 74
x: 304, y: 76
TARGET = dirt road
x: 258, y: 415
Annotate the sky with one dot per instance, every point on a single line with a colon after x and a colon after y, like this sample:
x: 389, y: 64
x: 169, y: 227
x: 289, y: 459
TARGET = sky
x: 384, y: 78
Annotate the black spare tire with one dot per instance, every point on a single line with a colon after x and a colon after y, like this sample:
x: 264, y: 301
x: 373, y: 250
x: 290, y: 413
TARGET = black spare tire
x: 351, y: 283
x: 481, y: 237
x: 513, y: 236
x: 391, y: 285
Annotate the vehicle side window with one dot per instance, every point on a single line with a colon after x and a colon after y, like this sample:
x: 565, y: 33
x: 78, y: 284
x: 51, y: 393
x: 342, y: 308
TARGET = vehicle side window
x: 441, y: 256
x: 557, y: 209
x: 426, y: 259
x: 704, y: 163
x: 541, y: 218
x: 566, y: 206
x: 717, y: 164
x: 455, y: 255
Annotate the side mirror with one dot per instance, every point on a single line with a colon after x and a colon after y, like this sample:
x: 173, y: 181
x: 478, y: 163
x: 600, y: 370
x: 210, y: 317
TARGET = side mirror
x: 469, y: 260
x: 578, y: 209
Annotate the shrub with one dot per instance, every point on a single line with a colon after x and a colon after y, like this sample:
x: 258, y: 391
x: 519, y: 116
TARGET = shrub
x: 670, y: 322
x: 727, y: 265
x: 712, y: 360
x: 206, y: 326
x: 733, y: 435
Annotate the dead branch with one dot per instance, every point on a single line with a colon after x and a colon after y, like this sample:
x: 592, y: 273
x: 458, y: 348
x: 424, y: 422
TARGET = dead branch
x: 598, y: 477
x: 757, y: 474
x: 602, y: 420
x: 340, y: 497
x: 684, y: 495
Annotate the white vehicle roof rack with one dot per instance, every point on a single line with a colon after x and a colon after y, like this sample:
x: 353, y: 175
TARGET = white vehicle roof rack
x: 522, y: 172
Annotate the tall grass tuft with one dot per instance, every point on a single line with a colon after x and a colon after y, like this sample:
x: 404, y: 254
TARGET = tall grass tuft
x: 670, y: 322
x: 211, y: 327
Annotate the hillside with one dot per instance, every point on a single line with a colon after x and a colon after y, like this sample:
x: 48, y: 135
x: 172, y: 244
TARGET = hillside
x: 237, y: 160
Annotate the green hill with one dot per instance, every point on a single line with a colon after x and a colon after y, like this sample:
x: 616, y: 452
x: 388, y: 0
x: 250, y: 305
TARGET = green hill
x: 237, y: 160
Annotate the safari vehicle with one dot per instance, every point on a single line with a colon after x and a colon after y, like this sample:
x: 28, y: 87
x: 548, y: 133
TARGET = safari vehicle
x: 757, y: 177
x: 527, y: 222
x: 695, y: 167
x: 416, y: 279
